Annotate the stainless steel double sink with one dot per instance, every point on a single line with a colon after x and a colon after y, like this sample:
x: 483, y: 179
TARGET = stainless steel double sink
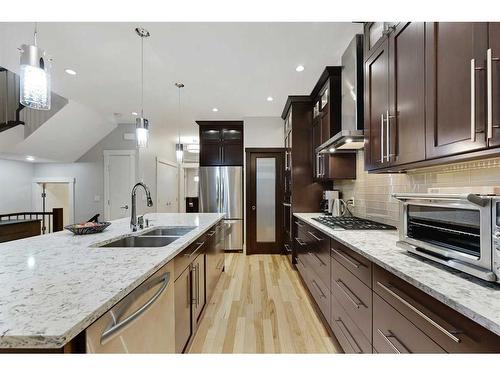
x: 156, y: 237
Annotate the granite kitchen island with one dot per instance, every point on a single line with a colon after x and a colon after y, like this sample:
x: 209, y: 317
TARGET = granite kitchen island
x: 54, y: 286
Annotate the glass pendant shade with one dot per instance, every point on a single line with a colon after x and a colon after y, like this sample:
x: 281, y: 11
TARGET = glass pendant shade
x: 142, y: 131
x: 179, y: 152
x: 34, y: 78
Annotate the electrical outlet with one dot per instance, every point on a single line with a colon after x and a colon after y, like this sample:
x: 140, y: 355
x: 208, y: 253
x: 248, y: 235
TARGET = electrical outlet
x: 351, y: 201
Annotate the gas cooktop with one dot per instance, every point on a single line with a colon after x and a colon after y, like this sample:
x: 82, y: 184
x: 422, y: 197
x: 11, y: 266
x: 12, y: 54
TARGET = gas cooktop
x: 352, y: 223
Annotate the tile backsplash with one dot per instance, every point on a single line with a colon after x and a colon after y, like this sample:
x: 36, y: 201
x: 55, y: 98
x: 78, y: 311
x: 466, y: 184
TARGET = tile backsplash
x: 372, y: 192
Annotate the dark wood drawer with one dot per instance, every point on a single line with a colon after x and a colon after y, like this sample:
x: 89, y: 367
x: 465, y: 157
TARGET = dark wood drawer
x: 354, y: 296
x: 303, y: 267
x: 347, y: 332
x: 450, y: 329
x: 357, y: 264
x: 393, y: 333
x: 320, y: 268
x: 320, y: 293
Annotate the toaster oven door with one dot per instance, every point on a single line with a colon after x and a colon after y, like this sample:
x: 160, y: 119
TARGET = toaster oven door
x: 449, y: 227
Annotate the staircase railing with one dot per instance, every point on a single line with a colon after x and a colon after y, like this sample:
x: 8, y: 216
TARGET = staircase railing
x: 50, y: 221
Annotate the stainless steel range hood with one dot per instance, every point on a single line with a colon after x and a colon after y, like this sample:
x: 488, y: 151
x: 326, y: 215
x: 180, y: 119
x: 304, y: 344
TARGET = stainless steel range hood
x: 351, y: 137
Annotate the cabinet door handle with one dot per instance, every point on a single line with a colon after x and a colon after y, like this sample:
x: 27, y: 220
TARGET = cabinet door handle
x: 197, y: 285
x: 489, y: 97
x: 317, y: 258
x: 347, y: 258
x: 388, y: 140
x: 301, y: 243
x: 472, y: 100
x: 193, y: 284
x: 195, y: 250
x: 387, y: 339
x: 354, y: 299
x: 392, y: 291
x: 319, y: 289
x: 299, y: 224
x: 317, y: 238
x: 288, y: 249
x: 354, y: 345
x: 382, y: 138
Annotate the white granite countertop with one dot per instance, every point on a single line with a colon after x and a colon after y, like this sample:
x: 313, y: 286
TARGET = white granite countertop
x: 54, y: 286
x: 479, y: 300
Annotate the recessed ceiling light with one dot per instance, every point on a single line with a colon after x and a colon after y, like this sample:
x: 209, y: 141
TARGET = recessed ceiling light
x: 30, y: 158
x: 270, y: 98
x: 299, y: 68
x: 215, y: 109
x: 134, y: 113
x: 71, y: 72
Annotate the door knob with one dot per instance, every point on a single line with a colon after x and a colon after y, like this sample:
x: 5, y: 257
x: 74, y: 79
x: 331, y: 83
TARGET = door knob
x: 253, y: 208
x: 125, y: 207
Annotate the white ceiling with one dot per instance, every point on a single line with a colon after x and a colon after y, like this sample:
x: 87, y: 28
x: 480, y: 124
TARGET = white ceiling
x: 231, y: 66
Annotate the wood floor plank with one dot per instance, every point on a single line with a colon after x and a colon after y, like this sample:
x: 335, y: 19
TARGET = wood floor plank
x: 260, y: 306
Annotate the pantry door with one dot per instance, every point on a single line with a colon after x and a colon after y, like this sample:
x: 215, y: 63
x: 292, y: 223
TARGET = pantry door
x: 119, y: 179
x: 167, y: 186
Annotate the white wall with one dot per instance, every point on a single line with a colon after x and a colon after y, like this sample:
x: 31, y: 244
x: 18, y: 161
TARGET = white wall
x: 88, y: 184
x: 15, y: 186
x: 89, y: 171
x: 263, y: 132
x: 260, y: 132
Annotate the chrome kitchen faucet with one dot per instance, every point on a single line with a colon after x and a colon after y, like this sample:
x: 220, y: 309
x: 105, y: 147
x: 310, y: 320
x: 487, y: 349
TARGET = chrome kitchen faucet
x: 133, y: 216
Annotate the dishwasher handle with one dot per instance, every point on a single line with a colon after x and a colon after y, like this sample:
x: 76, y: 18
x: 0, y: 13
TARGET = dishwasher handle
x: 116, y: 327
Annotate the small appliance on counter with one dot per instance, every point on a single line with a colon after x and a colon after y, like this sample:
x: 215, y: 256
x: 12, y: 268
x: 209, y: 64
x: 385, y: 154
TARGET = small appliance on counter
x: 332, y: 204
x: 329, y: 197
x: 460, y: 230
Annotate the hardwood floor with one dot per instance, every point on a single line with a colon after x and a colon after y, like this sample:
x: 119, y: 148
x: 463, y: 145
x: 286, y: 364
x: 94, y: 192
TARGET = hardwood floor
x: 261, y: 306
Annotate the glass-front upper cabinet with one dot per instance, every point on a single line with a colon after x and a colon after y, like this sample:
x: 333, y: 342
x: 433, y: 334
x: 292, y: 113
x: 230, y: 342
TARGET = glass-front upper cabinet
x: 232, y: 134
x: 210, y: 134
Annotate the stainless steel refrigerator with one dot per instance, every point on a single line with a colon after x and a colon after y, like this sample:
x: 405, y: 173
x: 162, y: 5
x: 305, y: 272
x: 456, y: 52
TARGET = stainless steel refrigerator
x: 221, y: 190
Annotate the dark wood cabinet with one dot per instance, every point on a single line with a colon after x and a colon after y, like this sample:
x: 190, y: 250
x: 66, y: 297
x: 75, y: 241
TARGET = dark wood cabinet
x: 221, y: 143
x: 393, y: 333
x: 17, y: 229
x: 376, y: 106
x: 431, y: 93
x: 455, y: 87
x: 326, y: 122
x: 405, y: 121
x: 493, y: 80
x: 375, y: 34
x: 302, y: 193
x: 371, y: 307
x: 450, y: 330
x: 395, y: 98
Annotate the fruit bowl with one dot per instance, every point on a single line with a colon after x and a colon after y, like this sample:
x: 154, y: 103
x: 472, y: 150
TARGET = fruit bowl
x: 88, y: 228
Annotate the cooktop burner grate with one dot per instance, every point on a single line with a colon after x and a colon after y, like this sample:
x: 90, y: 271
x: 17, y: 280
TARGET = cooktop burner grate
x: 352, y: 223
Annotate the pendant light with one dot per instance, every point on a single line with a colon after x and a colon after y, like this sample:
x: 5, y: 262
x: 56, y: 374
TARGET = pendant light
x: 34, y: 73
x: 179, y: 147
x: 142, y: 123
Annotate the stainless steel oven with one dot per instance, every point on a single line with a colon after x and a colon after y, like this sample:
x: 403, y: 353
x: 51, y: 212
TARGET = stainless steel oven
x: 458, y: 230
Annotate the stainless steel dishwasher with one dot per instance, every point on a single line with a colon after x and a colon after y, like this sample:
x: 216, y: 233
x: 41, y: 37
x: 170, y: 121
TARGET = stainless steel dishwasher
x: 142, y: 322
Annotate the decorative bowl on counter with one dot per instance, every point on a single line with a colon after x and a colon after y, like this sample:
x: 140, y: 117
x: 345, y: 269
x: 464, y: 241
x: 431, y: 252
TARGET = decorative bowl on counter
x: 88, y: 228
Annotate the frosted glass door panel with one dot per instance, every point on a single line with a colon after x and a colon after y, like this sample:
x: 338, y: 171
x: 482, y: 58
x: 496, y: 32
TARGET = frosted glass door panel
x: 266, y: 202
